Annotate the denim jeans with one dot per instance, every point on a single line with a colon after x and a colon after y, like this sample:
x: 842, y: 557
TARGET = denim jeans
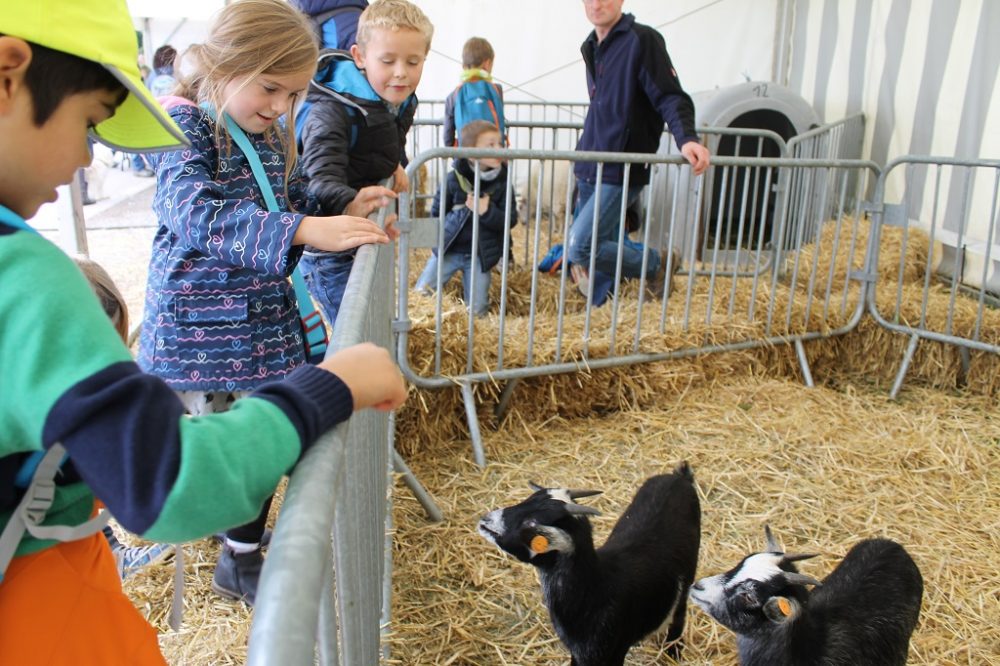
x: 454, y: 262
x: 326, y: 276
x: 606, y: 256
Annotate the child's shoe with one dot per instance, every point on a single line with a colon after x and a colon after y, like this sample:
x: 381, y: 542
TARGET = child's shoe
x: 130, y: 559
x: 237, y: 574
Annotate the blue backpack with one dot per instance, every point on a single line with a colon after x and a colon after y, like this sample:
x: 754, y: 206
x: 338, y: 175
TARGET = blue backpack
x: 479, y: 100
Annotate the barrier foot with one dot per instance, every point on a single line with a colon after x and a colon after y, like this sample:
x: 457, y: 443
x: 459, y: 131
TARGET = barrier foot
x: 800, y: 351
x: 911, y: 349
x: 963, y: 373
x: 430, y: 507
x: 473, y: 419
x: 504, y: 404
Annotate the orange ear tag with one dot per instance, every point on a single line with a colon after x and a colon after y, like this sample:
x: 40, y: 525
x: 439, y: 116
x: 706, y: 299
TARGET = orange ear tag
x: 539, y: 544
x: 784, y: 607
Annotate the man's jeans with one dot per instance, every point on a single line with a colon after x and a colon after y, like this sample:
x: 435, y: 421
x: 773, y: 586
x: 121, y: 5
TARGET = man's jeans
x: 606, y: 254
x: 326, y: 276
x: 452, y: 263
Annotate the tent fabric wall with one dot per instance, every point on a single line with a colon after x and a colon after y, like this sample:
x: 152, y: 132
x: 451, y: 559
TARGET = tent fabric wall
x: 926, y: 73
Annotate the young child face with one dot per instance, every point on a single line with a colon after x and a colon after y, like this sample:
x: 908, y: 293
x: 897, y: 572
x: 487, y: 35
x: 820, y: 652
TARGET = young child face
x: 36, y: 160
x: 257, y: 105
x: 393, y: 61
x: 492, y: 141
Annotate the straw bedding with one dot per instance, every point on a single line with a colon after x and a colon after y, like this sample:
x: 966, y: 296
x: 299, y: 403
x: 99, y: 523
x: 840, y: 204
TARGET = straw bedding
x: 824, y: 467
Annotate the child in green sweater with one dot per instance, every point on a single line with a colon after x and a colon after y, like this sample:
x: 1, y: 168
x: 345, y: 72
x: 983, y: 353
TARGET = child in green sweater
x: 68, y: 69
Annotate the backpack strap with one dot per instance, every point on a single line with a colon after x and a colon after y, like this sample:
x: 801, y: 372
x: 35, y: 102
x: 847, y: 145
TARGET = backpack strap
x: 320, y: 21
x: 312, y: 322
x: 37, y: 475
x: 35, y: 504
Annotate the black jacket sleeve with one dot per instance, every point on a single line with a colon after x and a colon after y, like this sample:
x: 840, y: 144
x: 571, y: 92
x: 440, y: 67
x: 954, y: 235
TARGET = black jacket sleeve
x: 326, y: 140
x: 660, y: 83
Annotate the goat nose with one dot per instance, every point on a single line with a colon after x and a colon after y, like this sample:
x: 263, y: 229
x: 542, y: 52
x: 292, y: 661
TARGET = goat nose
x: 697, y: 586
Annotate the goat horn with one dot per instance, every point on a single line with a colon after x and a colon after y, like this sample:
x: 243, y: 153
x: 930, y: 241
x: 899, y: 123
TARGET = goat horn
x: 535, y: 486
x: 772, y: 544
x: 577, y: 494
x: 795, y: 557
x: 582, y: 510
x: 801, y: 579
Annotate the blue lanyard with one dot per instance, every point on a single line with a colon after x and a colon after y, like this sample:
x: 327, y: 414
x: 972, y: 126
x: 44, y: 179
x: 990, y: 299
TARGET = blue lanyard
x: 9, y: 217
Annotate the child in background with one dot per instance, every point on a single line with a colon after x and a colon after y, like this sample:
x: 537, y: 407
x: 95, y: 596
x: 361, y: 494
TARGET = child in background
x: 221, y: 317
x: 458, y: 222
x: 161, y: 81
x: 477, y: 97
x: 128, y: 559
x: 354, y: 135
x: 68, y: 69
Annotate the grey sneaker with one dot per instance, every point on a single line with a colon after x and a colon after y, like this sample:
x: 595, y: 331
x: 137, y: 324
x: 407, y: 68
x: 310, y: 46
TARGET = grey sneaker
x: 130, y: 559
x: 237, y: 574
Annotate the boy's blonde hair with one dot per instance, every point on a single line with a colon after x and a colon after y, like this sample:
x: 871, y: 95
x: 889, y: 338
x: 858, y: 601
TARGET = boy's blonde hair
x: 393, y: 15
x: 107, y: 292
x: 475, y: 52
x: 247, y: 39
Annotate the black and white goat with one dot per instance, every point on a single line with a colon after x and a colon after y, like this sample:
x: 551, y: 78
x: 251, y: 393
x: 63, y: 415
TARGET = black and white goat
x: 604, y: 601
x: 861, y: 614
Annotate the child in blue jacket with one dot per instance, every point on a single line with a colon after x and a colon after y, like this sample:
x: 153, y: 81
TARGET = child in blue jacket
x: 360, y: 107
x: 462, y: 210
x: 221, y: 318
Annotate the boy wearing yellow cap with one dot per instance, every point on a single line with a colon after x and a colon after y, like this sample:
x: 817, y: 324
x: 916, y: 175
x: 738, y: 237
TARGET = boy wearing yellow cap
x: 78, y: 420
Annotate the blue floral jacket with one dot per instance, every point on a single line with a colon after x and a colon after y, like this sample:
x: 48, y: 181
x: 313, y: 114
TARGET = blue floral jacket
x: 220, y: 313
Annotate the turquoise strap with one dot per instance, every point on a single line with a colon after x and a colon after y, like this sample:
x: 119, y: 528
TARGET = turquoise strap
x: 312, y: 322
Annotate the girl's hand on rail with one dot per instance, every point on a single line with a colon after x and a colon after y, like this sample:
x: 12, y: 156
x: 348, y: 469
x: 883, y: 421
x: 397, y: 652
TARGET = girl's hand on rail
x: 338, y: 232
x: 697, y: 155
x: 371, y: 375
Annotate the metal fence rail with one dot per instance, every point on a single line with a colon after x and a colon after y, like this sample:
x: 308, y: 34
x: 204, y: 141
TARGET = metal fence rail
x: 768, y: 293
x: 330, y: 557
x: 960, y: 200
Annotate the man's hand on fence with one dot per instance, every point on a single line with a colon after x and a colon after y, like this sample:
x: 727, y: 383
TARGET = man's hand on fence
x: 697, y: 155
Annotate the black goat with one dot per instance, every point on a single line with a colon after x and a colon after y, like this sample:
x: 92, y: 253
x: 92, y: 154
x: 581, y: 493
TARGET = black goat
x: 862, y: 614
x: 604, y: 601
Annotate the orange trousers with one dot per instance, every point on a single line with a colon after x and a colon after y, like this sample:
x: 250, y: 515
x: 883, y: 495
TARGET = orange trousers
x: 65, y: 606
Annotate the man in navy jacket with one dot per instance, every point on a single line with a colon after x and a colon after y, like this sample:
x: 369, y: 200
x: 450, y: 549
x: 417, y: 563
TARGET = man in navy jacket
x: 633, y: 91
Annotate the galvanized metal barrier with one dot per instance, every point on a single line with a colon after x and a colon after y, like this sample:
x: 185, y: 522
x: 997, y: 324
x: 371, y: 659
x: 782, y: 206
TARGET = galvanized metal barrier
x: 948, y: 199
x: 775, y: 288
x: 330, y: 556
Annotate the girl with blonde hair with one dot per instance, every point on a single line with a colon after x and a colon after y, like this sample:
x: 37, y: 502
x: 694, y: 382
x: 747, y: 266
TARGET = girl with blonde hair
x: 221, y: 317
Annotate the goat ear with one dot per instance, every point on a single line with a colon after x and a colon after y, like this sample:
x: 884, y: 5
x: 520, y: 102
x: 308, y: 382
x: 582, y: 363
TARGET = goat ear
x: 545, y: 539
x: 781, y: 609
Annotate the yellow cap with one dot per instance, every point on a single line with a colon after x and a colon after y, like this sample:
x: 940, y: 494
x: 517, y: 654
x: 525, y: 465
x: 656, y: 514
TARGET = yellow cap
x: 101, y: 31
